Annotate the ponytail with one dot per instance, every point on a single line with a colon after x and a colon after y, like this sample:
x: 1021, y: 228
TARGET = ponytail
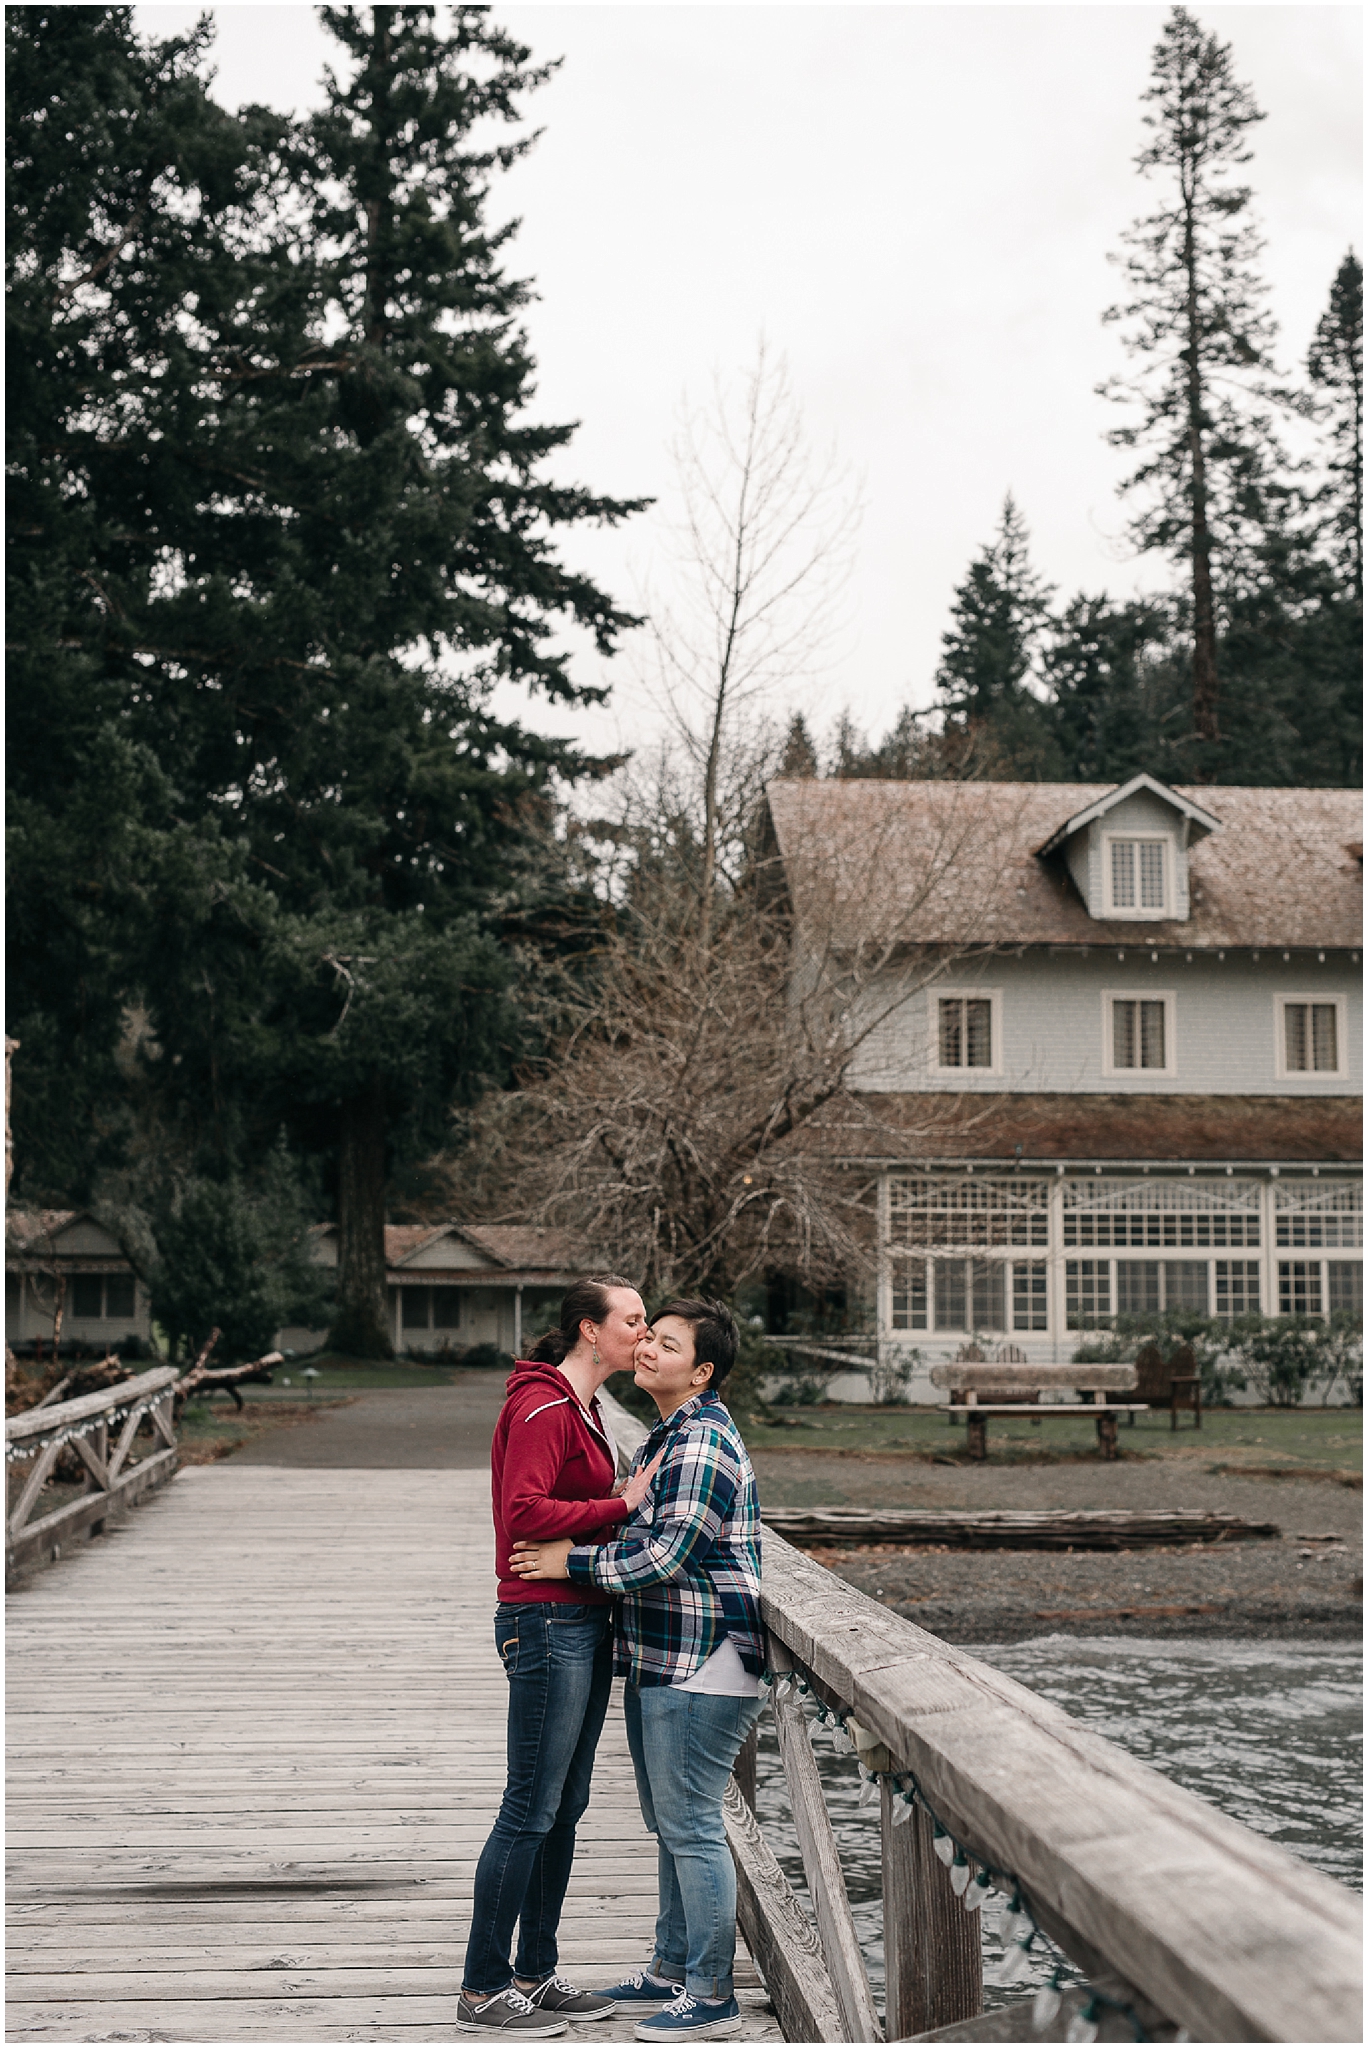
x: 585, y: 1302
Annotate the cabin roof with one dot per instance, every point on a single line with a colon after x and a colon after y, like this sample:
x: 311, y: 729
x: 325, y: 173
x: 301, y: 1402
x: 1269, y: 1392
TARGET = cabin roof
x: 975, y: 864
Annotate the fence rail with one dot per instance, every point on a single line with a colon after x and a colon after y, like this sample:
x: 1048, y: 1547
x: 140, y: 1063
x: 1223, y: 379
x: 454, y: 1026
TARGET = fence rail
x: 1182, y: 1921
x: 113, y: 1478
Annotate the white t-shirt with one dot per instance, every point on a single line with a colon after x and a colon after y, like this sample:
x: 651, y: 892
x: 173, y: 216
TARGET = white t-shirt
x: 723, y: 1672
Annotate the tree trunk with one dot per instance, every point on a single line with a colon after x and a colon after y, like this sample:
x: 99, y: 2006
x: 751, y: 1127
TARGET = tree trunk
x: 361, y: 1322
x: 1205, y: 682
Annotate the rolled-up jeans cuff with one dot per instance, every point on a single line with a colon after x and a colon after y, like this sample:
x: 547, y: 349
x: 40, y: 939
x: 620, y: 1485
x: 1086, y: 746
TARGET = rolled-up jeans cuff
x: 665, y: 1973
x: 709, y: 1987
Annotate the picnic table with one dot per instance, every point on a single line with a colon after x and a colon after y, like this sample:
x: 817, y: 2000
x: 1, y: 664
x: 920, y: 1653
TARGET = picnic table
x: 978, y: 1389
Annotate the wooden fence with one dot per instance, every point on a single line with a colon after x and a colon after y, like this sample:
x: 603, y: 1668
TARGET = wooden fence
x: 113, y: 1478
x: 1183, y: 1923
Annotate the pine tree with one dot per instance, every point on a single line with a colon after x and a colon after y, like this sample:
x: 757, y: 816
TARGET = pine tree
x: 799, y: 757
x: 1199, y: 326
x: 999, y: 615
x: 1335, y: 367
x: 375, y: 555
x: 127, y: 192
x: 1105, y: 668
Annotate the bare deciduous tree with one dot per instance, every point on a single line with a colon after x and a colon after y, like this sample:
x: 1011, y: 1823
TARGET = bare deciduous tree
x: 763, y: 549
x: 697, y: 1121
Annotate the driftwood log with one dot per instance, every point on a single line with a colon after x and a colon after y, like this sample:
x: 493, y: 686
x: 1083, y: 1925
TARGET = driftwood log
x: 204, y: 1378
x: 1015, y: 1529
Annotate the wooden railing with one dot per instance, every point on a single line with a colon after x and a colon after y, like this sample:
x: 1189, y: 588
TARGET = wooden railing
x: 113, y: 1478
x: 1182, y: 1922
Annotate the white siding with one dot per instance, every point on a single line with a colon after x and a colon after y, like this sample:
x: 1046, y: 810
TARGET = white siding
x: 1052, y: 1024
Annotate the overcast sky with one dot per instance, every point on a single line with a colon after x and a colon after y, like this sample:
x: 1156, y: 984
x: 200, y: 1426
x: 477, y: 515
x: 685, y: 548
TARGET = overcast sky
x: 915, y: 205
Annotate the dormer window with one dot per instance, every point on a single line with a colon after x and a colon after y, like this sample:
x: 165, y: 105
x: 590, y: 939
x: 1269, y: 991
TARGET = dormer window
x: 1137, y: 872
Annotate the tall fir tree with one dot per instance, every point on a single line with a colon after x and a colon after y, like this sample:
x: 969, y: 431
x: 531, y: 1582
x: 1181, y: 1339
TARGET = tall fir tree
x: 394, y: 522
x: 129, y: 192
x: 1335, y: 368
x: 1198, y: 324
x: 999, y: 616
x: 354, y: 543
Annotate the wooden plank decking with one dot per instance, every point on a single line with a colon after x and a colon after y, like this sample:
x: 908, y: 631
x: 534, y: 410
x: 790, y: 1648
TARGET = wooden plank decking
x: 255, y: 1746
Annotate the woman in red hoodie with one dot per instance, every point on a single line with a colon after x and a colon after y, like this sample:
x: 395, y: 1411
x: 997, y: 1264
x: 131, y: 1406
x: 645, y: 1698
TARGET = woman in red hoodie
x: 554, y: 1466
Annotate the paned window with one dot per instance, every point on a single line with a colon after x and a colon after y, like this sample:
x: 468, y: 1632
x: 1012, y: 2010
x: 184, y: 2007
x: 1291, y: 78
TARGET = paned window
x: 103, y: 1296
x: 969, y: 1210
x: 415, y: 1304
x: 1299, y: 1287
x: 1319, y: 1215
x: 1137, y: 874
x: 966, y: 1031
x: 1029, y: 1301
x: 1139, y: 1037
x: 909, y: 1294
x: 970, y: 1294
x: 1344, y: 1285
x: 87, y: 1290
x: 1087, y: 1292
x: 1149, y: 1286
x: 1311, y: 1038
x: 1156, y: 1214
x: 1237, y: 1287
x: 119, y: 1299
x: 446, y: 1308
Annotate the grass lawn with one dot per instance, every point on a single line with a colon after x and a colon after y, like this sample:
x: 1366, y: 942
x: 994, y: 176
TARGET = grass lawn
x: 1240, y: 1439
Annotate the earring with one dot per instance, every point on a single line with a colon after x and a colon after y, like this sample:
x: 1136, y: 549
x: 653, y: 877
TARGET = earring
x: 596, y: 1356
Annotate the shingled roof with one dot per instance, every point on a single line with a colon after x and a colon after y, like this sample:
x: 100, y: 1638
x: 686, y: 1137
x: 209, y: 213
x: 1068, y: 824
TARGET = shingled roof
x: 963, y: 863
x: 1023, y: 1129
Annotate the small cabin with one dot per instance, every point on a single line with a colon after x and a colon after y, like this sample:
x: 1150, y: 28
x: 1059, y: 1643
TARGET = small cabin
x: 64, y: 1257
x: 453, y: 1286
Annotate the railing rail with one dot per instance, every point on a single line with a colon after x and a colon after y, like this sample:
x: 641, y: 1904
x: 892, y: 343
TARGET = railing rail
x: 113, y: 1478
x: 1179, y: 1918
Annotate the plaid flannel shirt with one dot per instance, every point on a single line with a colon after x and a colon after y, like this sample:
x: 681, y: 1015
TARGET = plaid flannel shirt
x: 688, y: 1562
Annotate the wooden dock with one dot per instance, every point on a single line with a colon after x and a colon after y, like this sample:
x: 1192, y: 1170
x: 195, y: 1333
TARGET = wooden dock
x: 256, y: 1741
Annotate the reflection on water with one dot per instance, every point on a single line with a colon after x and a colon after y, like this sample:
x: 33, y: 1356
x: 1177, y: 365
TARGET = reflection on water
x: 1270, y: 1732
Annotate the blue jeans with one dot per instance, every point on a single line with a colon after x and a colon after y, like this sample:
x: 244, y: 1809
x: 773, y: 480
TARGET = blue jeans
x: 683, y: 1747
x: 558, y: 1659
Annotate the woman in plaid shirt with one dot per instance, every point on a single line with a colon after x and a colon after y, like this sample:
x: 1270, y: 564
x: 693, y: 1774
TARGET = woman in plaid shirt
x: 688, y: 1643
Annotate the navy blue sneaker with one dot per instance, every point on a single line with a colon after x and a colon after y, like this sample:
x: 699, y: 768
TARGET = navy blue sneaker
x: 695, y: 2019
x: 639, y: 1989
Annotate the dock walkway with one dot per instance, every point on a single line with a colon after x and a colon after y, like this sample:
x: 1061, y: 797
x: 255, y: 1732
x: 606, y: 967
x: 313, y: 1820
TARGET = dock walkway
x: 256, y: 1741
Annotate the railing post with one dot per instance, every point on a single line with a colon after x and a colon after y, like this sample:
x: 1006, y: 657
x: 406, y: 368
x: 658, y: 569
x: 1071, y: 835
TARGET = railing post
x: 933, y: 1957
x: 743, y: 1770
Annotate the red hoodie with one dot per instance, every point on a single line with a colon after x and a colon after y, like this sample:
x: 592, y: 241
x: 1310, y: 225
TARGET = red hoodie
x: 553, y: 1470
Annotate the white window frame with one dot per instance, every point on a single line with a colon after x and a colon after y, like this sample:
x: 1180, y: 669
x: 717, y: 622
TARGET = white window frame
x: 937, y: 994
x: 1133, y: 911
x: 1169, y: 998
x: 1280, y: 1067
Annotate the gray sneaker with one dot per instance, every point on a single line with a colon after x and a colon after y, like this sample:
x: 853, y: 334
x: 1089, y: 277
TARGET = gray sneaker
x: 507, y: 2012
x: 554, y: 1994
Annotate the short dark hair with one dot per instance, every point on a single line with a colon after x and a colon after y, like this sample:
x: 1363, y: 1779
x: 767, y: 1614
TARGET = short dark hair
x: 715, y: 1334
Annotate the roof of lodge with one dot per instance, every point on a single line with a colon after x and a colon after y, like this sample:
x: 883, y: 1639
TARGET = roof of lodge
x: 1179, y: 1130
x: 962, y: 863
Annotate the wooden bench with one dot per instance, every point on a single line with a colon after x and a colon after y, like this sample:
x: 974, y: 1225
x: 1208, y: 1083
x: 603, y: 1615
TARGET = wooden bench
x: 978, y: 1390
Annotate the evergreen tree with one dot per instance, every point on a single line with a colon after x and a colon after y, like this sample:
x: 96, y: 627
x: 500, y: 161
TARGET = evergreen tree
x: 999, y: 615
x: 129, y: 192
x: 376, y: 556
x: 1200, y: 329
x: 1105, y: 667
x: 1335, y: 367
x: 799, y: 757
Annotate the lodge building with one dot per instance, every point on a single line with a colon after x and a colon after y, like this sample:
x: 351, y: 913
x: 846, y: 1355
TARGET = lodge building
x: 1122, y: 1069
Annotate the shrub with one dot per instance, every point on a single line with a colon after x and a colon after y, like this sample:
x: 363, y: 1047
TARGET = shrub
x: 488, y: 1357
x: 1280, y: 1355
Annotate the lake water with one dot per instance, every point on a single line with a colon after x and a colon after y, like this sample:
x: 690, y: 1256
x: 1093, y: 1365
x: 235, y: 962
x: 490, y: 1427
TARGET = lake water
x: 1270, y: 1732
